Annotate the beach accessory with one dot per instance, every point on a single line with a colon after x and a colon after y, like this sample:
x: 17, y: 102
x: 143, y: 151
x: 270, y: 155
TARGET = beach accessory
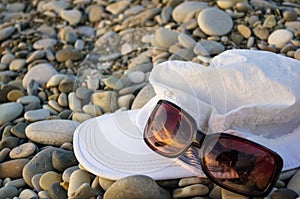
x: 234, y: 163
x: 247, y: 93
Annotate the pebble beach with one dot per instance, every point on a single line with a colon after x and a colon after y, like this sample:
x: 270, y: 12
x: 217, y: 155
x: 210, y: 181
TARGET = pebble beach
x: 64, y: 62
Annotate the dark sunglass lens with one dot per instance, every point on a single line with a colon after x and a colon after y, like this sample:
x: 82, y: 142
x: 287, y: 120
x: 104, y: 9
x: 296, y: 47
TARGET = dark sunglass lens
x: 239, y: 165
x: 168, y: 131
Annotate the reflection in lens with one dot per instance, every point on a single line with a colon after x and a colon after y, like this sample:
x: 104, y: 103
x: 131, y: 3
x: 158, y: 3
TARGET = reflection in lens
x: 168, y: 131
x: 239, y: 165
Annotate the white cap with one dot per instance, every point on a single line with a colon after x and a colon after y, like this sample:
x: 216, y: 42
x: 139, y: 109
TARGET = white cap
x: 254, y: 94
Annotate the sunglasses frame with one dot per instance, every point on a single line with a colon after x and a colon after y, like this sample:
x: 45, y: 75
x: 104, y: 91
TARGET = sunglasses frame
x: 198, y: 138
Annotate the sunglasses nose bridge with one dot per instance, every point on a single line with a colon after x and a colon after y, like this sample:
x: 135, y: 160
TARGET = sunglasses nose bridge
x: 198, y: 139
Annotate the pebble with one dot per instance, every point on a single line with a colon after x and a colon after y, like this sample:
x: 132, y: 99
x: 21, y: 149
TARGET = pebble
x: 68, y: 54
x: 17, y: 64
x: 48, y: 178
x: 279, y: 38
x: 55, y: 80
x: 136, y: 77
x: 62, y: 159
x: 113, y: 82
x: 12, y: 168
x: 38, y: 54
x: 37, y: 115
x: 78, y: 177
x: 9, y: 111
x: 284, y: 193
x: 125, y: 101
x: 56, y: 191
x: 14, y: 95
x: 74, y: 102
x: 22, y: 151
x: 8, y: 142
x: 187, y: 10
x: 92, y: 110
x: 143, y: 97
x: 40, y: 73
x: 207, y: 48
x: 294, y: 183
x: 147, y: 187
x: 117, y: 7
x: 186, y: 41
x: 214, y: 22
x: 192, y: 180
x: 164, y: 38
x: 40, y: 163
x: 19, y: 130
x: 66, y: 85
x: 106, y: 100
x: 44, y: 43
x: 190, y: 191
x: 18, y: 183
x: 6, y: 32
x: 3, y: 154
x: 71, y: 16
x: 35, y: 180
x: 81, y: 117
x: 230, y: 195
x: 261, y: 32
x: 95, y: 13
x: 8, y: 192
x: 27, y: 193
x: 244, y: 31
x: 62, y: 100
x: 79, y: 44
x: 67, y: 173
x: 30, y: 99
x: 51, y: 132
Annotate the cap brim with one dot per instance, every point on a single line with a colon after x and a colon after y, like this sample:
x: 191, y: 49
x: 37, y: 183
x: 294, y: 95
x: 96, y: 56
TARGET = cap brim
x: 112, y: 146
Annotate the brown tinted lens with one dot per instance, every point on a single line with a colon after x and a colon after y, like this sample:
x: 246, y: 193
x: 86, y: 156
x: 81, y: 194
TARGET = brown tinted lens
x: 239, y: 165
x: 168, y: 131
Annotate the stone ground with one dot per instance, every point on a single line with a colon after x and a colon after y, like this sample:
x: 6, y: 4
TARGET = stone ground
x: 56, y: 57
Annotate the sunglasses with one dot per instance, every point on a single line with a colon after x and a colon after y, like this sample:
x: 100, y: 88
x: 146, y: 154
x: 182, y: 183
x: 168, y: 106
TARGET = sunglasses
x: 234, y: 163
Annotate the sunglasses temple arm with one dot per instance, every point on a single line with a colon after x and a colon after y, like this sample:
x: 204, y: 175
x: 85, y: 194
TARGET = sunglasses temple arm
x: 199, y: 138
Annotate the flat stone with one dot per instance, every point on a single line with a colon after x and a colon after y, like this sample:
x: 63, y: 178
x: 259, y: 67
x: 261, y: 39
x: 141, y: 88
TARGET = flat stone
x: 18, y: 183
x: 44, y: 43
x: 62, y: 100
x: 40, y: 163
x: 244, y: 31
x: 63, y: 159
x: 27, y: 193
x: 71, y: 16
x: 125, y: 101
x: 92, y: 110
x: 22, y: 151
x: 9, y: 192
x: 9, y: 142
x: 85, y: 190
x: 48, y: 178
x: 290, y: 15
x: 7, y: 58
x: 55, y: 80
x: 17, y: 64
x: 14, y: 95
x: 40, y: 73
x: 9, y: 111
x: 95, y: 13
x: 66, y: 85
x: 214, y: 22
x: 43, y: 194
x: 117, y: 7
x: 105, y: 183
x: 56, y: 6
x: 51, y: 132
x: 207, y: 48
x: 164, y: 38
x: 81, y: 117
x: 68, y: 54
x: 12, y: 168
x: 106, y: 100
x: 15, y: 7
x: 113, y: 82
x: 31, y: 99
x: 269, y: 22
x: 230, y: 195
x: 261, y: 32
x: 190, y: 191
x: 35, y: 181
x: 4, y: 153
x: 37, y: 115
x: 147, y: 187
x: 192, y: 180
x: 83, y: 93
x: 225, y: 4
x: 79, y: 44
x: 6, y: 32
x: 53, y: 104
x: 297, y: 54
x: 143, y: 97
x: 187, y: 10
x: 78, y: 177
x: 279, y: 38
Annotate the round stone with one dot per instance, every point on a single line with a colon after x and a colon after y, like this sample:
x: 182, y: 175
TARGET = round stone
x: 81, y: 117
x: 14, y: 95
x: 297, y: 54
x: 22, y: 151
x: 17, y: 64
x: 192, y: 180
x: 48, y: 178
x: 143, y: 97
x: 67, y: 173
x: 165, y: 38
x: 4, y: 153
x: 27, y: 193
x: 214, y: 22
x: 125, y: 101
x: 9, y: 111
x: 92, y: 110
x: 71, y: 16
x: 40, y: 73
x: 106, y: 100
x: 279, y: 38
x: 36, y: 115
x: 18, y: 183
x: 55, y: 80
x: 147, y: 189
x: 6, y: 32
x: 19, y: 130
x: 187, y: 10
x: 294, y: 183
x: 79, y: 44
x: 136, y: 77
x: 186, y: 41
x: 207, y: 48
x: 244, y: 31
x: 95, y: 13
x: 284, y: 193
x: 51, y: 132
x: 44, y: 43
x: 35, y: 180
x: 66, y: 85
x: 38, y: 54
x: 56, y: 191
x: 74, y: 102
x: 7, y: 58
x: 31, y: 99
x: 105, y: 183
x: 113, y: 83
